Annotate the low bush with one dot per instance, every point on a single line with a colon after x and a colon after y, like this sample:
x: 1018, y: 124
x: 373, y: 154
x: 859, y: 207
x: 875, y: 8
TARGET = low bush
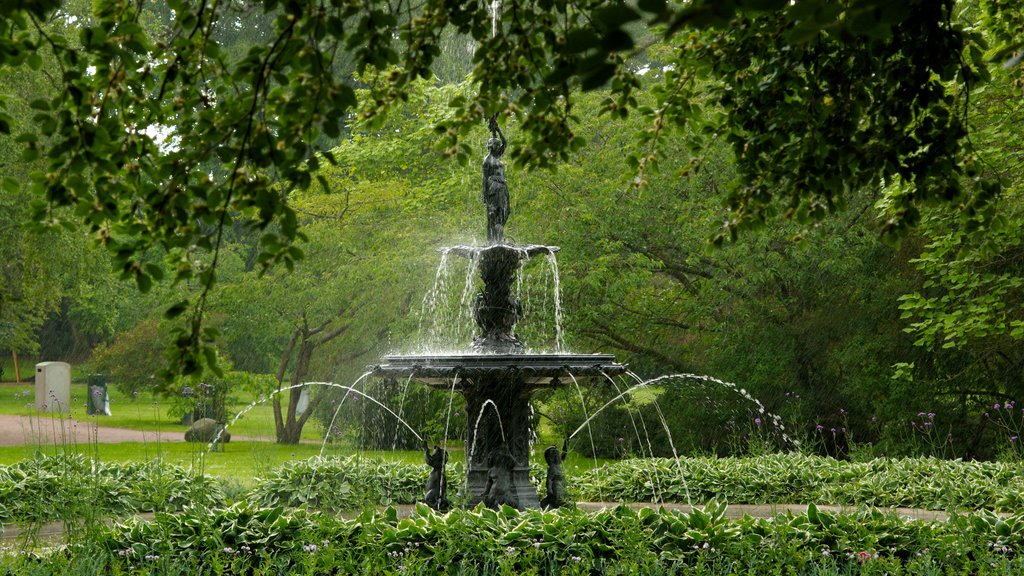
x: 349, y: 483
x: 244, y: 539
x: 74, y: 487
x: 929, y: 483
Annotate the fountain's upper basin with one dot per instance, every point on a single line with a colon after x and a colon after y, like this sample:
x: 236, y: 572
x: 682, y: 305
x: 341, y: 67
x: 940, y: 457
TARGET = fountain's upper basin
x: 535, y: 370
x: 507, y: 250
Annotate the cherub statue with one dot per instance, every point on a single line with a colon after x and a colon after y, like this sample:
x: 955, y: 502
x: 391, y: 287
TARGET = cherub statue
x: 500, y: 489
x: 555, y: 497
x: 437, y: 484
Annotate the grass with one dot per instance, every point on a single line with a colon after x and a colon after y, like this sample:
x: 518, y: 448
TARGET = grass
x: 148, y: 412
x: 242, y: 461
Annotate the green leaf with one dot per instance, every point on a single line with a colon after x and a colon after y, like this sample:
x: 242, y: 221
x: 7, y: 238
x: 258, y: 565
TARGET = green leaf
x: 34, y: 61
x: 176, y: 310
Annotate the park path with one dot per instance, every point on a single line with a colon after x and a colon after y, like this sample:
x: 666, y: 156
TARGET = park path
x: 46, y: 430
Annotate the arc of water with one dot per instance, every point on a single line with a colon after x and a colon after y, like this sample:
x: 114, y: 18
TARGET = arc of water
x: 776, y: 420
x: 371, y: 399
x: 338, y: 409
x: 590, y: 432
x: 620, y: 396
x: 401, y: 409
x: 349, y: 389
x: 476, y: 426
x: 668, y: 433
x: 658, y: 493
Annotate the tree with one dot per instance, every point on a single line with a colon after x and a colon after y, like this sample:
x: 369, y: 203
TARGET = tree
x: 149, y: 102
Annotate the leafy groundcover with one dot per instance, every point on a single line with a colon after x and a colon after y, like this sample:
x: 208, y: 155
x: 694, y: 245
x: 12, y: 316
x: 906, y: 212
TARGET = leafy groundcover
x: 245, y: 539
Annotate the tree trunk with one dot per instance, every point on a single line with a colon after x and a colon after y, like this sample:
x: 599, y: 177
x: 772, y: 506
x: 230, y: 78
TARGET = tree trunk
x: 288, y: 425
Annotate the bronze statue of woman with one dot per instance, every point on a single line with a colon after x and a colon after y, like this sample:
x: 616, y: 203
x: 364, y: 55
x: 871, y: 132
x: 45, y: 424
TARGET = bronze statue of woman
x: 495, y: 187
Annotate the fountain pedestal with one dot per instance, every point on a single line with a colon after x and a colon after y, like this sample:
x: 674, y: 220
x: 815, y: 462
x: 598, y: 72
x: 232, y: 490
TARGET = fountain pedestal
x: 497, y: 389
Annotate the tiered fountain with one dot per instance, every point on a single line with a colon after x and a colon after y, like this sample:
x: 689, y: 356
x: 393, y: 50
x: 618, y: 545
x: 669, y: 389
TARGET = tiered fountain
x: 496, y: 375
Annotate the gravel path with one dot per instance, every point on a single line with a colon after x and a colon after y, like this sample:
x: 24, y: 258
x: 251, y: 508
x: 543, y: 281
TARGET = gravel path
x: 44, y: 429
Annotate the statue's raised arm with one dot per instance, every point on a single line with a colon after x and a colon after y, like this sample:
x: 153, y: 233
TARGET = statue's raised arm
x: 496, y: 133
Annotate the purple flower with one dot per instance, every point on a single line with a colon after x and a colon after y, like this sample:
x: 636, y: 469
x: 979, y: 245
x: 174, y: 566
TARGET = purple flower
x: 757, y: 421
x: 995, y: 406
x: 1013, y: 438
x: 931, y: 415
x: 819, y: 427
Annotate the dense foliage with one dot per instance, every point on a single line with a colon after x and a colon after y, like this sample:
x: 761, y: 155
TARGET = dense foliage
x: 927, y: 483
x: 246, y: 540
x: 348, y: 483
x: 44, y: 489
x: 163, y: 129
x: 73, y: 487
x: 287, y: 523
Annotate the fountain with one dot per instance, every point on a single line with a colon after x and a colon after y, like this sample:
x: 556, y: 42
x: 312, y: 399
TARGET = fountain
x: 496, y: 375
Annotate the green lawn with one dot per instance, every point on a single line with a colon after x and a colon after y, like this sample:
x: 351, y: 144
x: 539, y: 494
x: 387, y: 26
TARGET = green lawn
x: 149, y: 413
x: 242, y: 461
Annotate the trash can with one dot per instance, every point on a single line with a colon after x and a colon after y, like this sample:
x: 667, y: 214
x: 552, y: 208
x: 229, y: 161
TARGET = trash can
x: 98, y: 404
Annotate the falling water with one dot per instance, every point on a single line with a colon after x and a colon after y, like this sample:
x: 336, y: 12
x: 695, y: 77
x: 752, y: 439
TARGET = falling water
x: 401, y: 410
x: 334, y: 416
x: 661, y: 416
x: 441, y: 320
x: 495, y: 11
x: 448, y: 416
x: 559, y: 336
x: 465, y: 302
x: 428, y: 309
x: 647, y: 435
x: 476, y: 427
x: 590, y: 433
x: 348, y: 389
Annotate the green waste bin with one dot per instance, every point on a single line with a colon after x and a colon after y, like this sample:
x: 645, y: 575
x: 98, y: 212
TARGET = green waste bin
x: 97, y: 404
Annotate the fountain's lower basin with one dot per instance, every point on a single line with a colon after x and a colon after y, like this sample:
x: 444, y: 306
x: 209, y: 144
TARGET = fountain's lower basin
x: 497, y: 389
x: 532, y: 370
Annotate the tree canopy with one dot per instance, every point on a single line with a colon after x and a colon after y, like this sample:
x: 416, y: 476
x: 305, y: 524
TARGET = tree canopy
x: 165, y: 125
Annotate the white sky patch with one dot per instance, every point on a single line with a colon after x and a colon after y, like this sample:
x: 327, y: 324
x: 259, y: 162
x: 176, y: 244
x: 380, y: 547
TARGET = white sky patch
x: 163, y: 137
